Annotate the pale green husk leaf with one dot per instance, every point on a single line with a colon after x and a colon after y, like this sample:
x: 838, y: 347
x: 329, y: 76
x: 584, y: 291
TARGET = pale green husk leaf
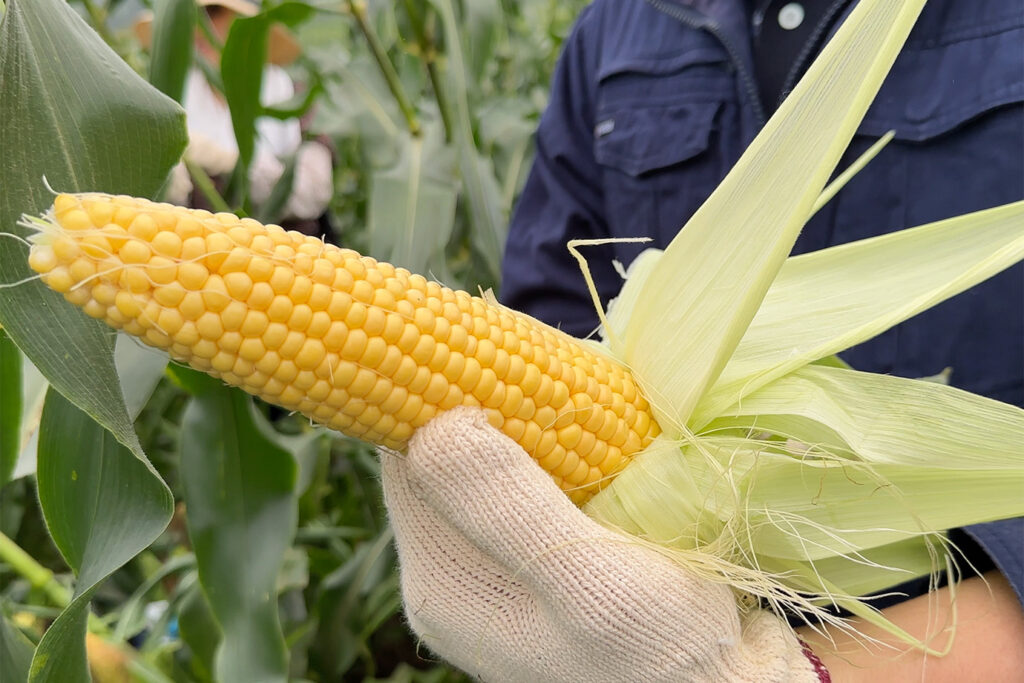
x: 827, y: 301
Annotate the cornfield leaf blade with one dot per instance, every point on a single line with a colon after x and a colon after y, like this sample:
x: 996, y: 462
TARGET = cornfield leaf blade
x: 15, y: 651
x: 482, y: 193
x: 199, y: 630
x: 10, y: 407
x: 241, y: 67
x: 102, y: 507
x: 170, y: 57
x: 411, y: 211
x: 239, y: 489
x: 51, y: 67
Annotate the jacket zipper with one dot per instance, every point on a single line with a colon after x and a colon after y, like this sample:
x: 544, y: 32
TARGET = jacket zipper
x: 698, y: 21
x: 795, y: 71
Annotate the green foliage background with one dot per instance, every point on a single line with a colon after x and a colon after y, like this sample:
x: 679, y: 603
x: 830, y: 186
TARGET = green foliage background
x: 179, y: 529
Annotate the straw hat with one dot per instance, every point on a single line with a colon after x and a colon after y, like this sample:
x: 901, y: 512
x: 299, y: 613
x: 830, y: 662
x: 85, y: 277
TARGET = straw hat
x: 282, y: 47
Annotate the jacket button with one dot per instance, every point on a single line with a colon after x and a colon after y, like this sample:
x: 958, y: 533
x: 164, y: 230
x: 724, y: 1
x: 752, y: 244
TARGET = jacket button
x: 791, y: 16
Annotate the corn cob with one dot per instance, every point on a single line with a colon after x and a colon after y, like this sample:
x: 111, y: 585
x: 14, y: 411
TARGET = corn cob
x: 359, y: 345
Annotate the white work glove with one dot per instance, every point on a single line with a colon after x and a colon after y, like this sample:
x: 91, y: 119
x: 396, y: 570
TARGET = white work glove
x: 506, y: 579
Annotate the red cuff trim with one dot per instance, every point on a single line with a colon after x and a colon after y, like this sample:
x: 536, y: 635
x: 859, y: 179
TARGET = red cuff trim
x: 819, y: 667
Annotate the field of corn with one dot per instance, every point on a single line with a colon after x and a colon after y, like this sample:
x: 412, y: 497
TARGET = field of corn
x: 277, y: 562
x: 185, y: 531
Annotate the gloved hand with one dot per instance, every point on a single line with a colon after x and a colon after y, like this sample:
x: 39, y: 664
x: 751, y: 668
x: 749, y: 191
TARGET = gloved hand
x: 506, y: 579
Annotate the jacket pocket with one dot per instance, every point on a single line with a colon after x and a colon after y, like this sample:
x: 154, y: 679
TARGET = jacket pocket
x: 949, y: 76
x: 643, y: 139
x: 658, y: 140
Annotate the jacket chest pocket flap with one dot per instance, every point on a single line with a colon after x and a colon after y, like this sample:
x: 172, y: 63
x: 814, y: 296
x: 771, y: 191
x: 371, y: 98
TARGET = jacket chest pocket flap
x: 654, y: 113
x: 948, y: 76
x: 642, y: 139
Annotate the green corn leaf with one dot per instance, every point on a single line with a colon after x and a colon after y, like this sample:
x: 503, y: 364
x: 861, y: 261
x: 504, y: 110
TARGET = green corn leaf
x: 481, y: 22
x: 33, y: 397
x: 199, y: 630
x: 411, y: 213
x: 483, y: 195
x: 241, y: 67
x: 10, y: 407
x: 239, y: 489
x: 102, y: 506
x: 139, y: 369
x: 174, y: 24
x: 51, y: 67
x: 15, y: 651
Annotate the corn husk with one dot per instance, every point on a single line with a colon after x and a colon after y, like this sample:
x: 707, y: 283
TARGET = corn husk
x: 780, y: 471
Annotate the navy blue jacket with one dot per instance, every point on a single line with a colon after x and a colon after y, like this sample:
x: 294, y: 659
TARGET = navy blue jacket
x: 652, y: 103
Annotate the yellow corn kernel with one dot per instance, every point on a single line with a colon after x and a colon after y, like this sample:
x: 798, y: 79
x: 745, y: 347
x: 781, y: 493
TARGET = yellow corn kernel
x: 280, y: 308
x: 100, y: 212
x: 310, y: 355
x: 260, y: 297
x: 437, y: 387
x: 300, y: 318
x: 161, y: 270
x: 389, y: 364
x: 166, y: 243
x: 376, y: 348
x: 230, y: 342
x: 420, y: 380
x: 355, y: 344
x: 485, y: 385
x: 233, y: 316
x: 513, y: 400
x: 239, y: 284
x: 192, y: 306
x: 251, y: 349
x: 292, y: 344
x: 319, y: 323
x: 254, y: 324
x: 209, y: 326
x: 143, y: 227
x: 453, y: 397
x: 192, y: 275
x: 320, y: 297
x: 134, y: 279
x: 43, y: 260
